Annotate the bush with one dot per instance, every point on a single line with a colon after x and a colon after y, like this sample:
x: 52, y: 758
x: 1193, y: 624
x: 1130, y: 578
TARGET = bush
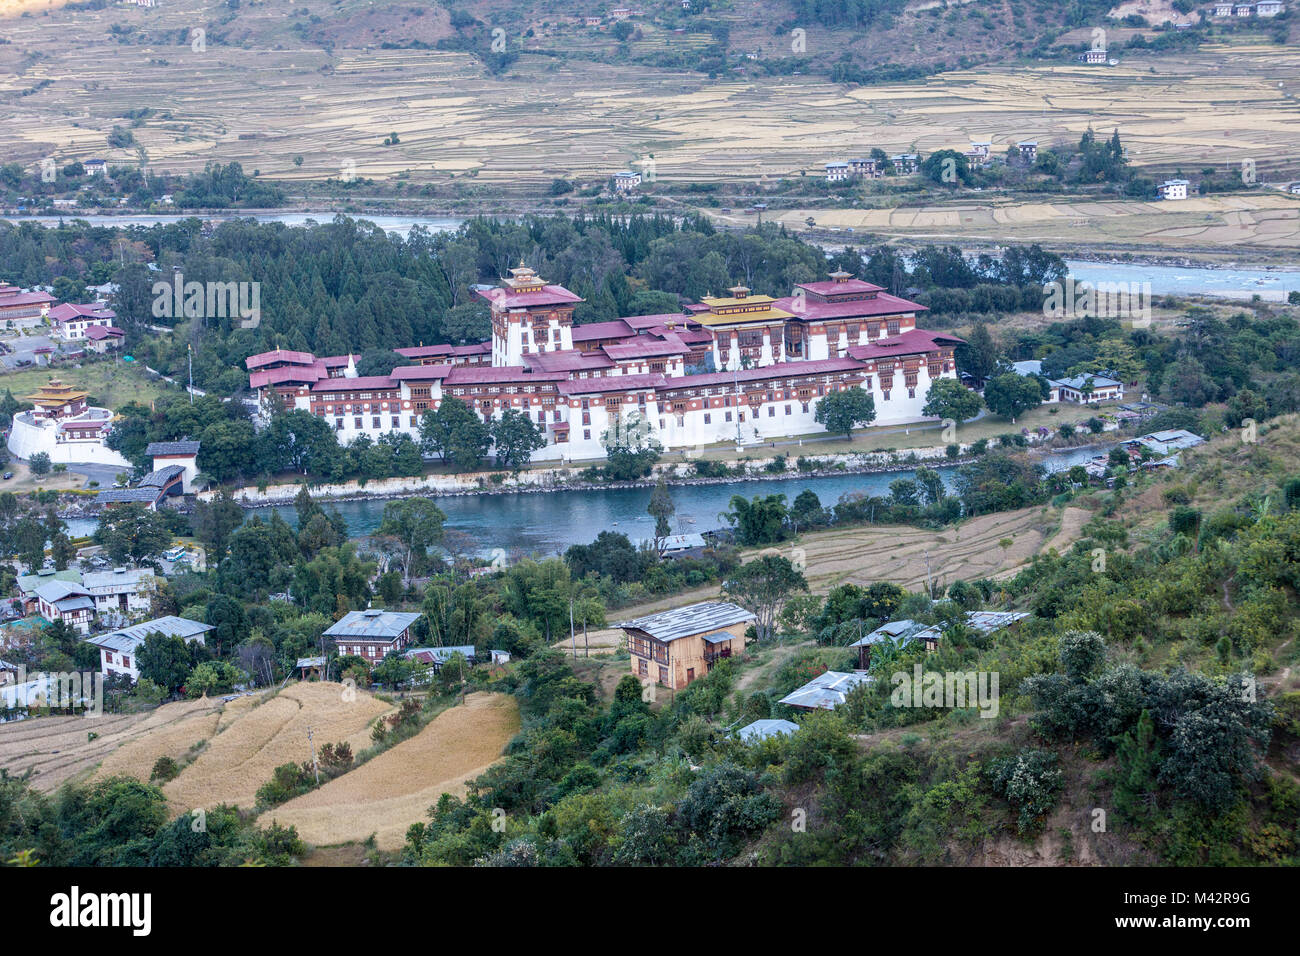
x: 164, y: 769
x: 1031, y: 782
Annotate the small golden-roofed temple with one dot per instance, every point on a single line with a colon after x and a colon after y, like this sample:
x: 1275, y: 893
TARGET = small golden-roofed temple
x: 747, y: 330
x: 57, y: 400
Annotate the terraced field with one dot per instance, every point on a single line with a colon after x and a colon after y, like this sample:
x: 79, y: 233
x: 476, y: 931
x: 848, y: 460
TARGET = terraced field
x: 385, y: 795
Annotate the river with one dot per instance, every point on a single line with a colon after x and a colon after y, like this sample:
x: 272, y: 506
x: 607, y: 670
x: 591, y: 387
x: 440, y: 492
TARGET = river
x: 548, y: 522
x: 1271, y: 285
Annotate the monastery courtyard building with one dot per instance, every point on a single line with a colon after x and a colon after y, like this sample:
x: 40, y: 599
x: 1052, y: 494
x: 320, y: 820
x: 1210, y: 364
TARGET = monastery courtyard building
x: 741, y: 368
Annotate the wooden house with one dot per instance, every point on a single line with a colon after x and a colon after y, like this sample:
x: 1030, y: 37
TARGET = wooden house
x: 675, y: 647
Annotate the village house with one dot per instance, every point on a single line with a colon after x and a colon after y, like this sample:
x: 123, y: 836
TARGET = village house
x: 826, y: 691
x: 95, y: 167
x: 435, y: 657
x: 1089, y: 389
x: 837, y: 172
x: 905, y: 164
x: 28, y: 583
x: 866, y: 168
x: 1242, y: 10
x: 1223, y: 9
x: 1173, y: 189
x: 1269, y: 8
x: 673, y: 648
x: 119, y: 650
x: 64, y: 601
x: 103, y: 338
x: 626, y: 181
x: 1092, y: 56
x: 72, y: 321
x: 372, y: 634
x: 121, y: 591
x: 1028, y: 151
x: 1166, y: 442
x: 908, y: 631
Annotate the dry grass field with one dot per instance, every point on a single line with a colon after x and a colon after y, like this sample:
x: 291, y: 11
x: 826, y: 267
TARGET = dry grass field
x: 384, y: 796
x: 989, y: 546
x: 276, y: 98
x: 250, y: 745
x: 59, y: 749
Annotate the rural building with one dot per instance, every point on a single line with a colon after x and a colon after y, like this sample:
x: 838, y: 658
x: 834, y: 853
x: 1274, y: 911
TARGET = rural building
x: 1092, y: 56
x: 184, y: 454
x: 980, y: 148
x: 17, y: 304
x: 95, y: 167
x: 826, y: 691
x: 763, y: 729
x: 72, y: 321
x: 591, y: 21
x: 673, y: 648
x: 866, y: 168
x: 372, y: 634
x: 837, y: 172
x: 1269, y: 8
x: 626, y: 181
x: 67, y: 602
x: 1173, y: 189
x: 905, y: 163
x: 150, y: 491
x: 1028, y: 150
x: 1294, y: 189
x: 103, y: 338
x: 1088, y: 389
x: 681, y: 545
x: 435, y: 657
x: 1242, y: 10
x: 27, y: 585
x: 1223, y: 9
x: 891, y: 631
x: 57, y: 400
x: 1167, y: 442
x: 118, y: 649
x: 309, y: 667
x: 121, y: 591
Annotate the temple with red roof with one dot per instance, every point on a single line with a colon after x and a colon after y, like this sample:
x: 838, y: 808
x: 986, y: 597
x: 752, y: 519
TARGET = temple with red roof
x: 737, y: 368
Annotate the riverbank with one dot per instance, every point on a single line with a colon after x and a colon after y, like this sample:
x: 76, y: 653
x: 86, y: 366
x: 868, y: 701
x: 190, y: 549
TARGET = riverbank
x: 677, y: 474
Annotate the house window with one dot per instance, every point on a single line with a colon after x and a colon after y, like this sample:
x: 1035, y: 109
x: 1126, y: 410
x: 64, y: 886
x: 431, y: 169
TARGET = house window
x: 771, y: 411
x: 374, y: 421
x: 397, y: 421
x: 356, y: 422
x: 586, y: 434
x: 126, y: 661
x: 643, y: 668
x: 805, y: 407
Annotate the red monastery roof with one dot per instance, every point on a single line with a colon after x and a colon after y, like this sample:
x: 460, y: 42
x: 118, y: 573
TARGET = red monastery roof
x: 291, y: 374
x: 489, y: 375
x: 911, y: 342
x: 279, y: 355
x: 377, y: 382
x: 424, y: 351
x: 617, y: 329
x: 547, y: 295
x: 778, y: 370
x: 848, y: 287
x: 421, y: 372
x: 611, y: 383
x: 880, y: 305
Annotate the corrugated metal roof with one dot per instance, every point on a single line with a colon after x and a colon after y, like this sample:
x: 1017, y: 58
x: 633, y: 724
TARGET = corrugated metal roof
x: 373, y: 624
x: 129, y: 638
x: 826, y: 691
x: 124, y: 577
x: 699, y: 618
x: 762, y: 729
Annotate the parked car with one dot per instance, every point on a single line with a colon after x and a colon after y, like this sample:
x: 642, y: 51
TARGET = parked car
x: 8, y: 475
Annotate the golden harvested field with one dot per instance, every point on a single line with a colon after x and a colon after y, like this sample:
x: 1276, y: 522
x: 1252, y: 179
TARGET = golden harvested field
x: 276, y: 98
x: 970, y: 550
x: 384, y: 796
x: 59, y: 748
x: 251, y: 744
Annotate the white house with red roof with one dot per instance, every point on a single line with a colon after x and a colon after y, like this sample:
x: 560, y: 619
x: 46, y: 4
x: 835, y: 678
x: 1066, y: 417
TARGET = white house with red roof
x: 738, y: 368
x: 73, y: 322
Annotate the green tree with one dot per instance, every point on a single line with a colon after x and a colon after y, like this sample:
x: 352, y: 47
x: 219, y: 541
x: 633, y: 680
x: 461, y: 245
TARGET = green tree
x: 515, y: 437
x: 39, y: 464
x: 661, y: 507
x: 132, y: 531
x: 841, y: 412
x: 1011, y: 395
x: 214, y: 521
x: 417, y: 524
x: 167, y: 661
x: 760, y: 521
x: 949, y: 398
x: 762, y: 587
x: 454, y: 432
